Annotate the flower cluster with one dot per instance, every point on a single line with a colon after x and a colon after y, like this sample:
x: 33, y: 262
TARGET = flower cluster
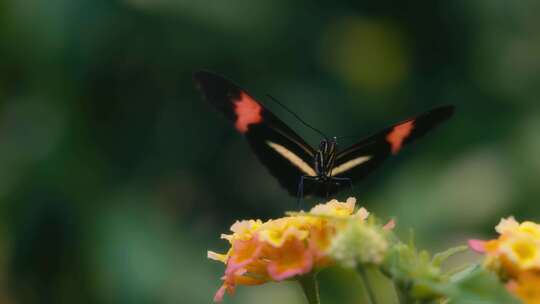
x: 515, y: 255
x: 291, y: 246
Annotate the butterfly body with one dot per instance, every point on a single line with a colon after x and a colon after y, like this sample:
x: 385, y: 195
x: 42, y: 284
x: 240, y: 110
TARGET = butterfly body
x: 325, y: 157
x: 325, y: 170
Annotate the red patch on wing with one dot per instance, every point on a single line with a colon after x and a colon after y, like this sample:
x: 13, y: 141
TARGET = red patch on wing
x: 398, y: 135
x: 248, y: 111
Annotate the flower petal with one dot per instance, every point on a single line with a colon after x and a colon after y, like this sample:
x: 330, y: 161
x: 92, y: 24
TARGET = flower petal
x: 477, y: 245
x: 243, y: 253
x: 390, y: 225
x: 507, y: 225
x: 335, y: 208
x: 217, y: 256
x: 294, y: 259
x: 218, y: 297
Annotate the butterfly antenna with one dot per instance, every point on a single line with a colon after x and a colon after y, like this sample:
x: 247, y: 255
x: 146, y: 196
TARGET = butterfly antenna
x: 297, y: 117
x: 346, y: 136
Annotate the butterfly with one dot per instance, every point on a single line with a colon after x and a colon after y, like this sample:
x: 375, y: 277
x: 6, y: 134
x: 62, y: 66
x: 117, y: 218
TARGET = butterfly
x: 300, y: 168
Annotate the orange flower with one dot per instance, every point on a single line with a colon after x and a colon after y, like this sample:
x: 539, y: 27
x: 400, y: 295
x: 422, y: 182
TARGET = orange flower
x: 293, y: 259
x: 526, y: 287
x: 281, y: 249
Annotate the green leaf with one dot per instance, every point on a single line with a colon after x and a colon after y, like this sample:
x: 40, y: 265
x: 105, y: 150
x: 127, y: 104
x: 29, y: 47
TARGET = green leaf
x: 477, y: 285
x: 420, y: 278
x: 310, y: 287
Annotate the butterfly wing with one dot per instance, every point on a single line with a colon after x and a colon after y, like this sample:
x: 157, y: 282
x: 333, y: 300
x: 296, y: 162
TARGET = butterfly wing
x: 286, y: 155
x: 360, y: 159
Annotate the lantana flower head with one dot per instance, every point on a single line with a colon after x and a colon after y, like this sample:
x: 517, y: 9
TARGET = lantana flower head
x: 284, y: 248
x: 515, y: 255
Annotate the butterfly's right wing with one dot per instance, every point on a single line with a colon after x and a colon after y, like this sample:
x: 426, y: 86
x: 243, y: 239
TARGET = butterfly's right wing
x: 286, y: 155
x: 362, y: 158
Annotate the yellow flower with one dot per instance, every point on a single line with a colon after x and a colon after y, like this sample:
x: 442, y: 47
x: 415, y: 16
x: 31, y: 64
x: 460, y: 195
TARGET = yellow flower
x: 517, y: 248
x: 515, y: 254
x: 510, y: 226
x: 276, y: 232
x: 335, y: 208
x: 521, y: 250
x: 242, y: 230
x: 283, y: 248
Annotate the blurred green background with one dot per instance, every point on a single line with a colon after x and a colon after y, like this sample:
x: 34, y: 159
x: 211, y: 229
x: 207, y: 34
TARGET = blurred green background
x: 116, y: 178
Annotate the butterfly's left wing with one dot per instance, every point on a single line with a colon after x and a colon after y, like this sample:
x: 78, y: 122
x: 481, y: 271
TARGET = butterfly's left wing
x: 286, y: 155
x: 360, y: 159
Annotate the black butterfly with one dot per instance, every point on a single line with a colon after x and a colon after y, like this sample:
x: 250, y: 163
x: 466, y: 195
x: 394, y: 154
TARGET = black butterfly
x: 291, y: 160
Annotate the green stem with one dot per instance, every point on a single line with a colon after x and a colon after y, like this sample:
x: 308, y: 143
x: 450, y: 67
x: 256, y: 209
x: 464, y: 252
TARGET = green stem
x: 367, y: 285
x: 310, y: 287
x: 398, y: 296
x: 402, y: 298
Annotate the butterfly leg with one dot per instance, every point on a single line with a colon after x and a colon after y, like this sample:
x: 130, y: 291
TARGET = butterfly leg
x: 300, y: 191
x: 301, y: 187
x: 327, y: 187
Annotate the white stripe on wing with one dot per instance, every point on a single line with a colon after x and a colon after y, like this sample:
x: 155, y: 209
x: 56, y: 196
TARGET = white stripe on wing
x: 293, y: 158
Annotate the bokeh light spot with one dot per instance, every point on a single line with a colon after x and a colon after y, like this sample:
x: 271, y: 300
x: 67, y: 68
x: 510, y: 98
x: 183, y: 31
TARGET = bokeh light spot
x: 367, y: 54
